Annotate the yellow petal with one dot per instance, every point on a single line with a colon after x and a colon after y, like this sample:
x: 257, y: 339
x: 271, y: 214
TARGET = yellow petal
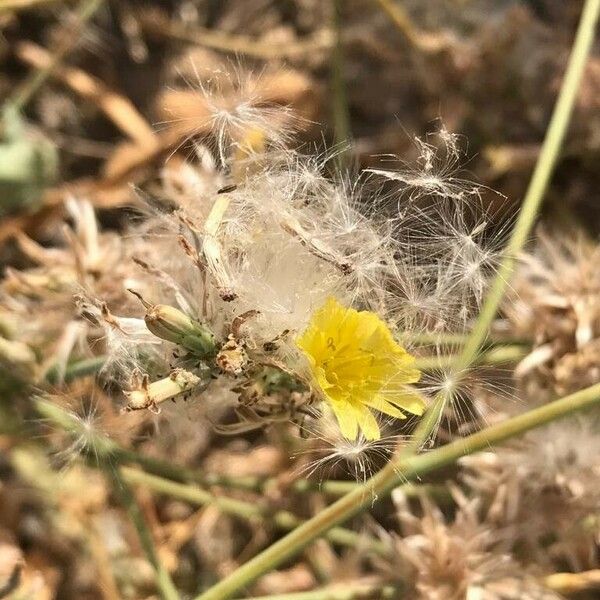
x: 408, y: 399
x: 406, y: 372
x: 358, y: 366
x: 367, y: 422
x: 382, y: 405
x: 330, y: 316
x: 322, y: 380
x: 346, y: 418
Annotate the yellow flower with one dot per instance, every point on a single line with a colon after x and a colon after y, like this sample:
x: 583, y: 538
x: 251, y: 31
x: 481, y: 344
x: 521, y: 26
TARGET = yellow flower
x: 358, y: 366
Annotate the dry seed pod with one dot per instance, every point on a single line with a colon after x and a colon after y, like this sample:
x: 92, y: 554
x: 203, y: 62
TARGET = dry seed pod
x: 149, y: 395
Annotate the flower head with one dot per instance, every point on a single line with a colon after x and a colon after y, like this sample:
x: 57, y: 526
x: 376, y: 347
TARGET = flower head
x: 358, y: 366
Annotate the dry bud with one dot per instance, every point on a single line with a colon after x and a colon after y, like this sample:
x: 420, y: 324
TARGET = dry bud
x: 150, y: 394
x: 232, y: 358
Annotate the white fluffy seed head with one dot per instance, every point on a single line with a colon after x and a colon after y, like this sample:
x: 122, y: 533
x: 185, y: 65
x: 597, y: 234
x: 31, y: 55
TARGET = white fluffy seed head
x: 226, y: 104
x: 283, y: 237
x: 263, y: 230
x: 129, y: 345
x: 327, y: 454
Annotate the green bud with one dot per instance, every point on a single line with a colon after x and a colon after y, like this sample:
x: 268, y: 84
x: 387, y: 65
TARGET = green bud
x: 169, y: 323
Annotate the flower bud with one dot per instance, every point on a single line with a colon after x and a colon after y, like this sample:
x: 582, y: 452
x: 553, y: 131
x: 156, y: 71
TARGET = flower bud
x: 169, y: 323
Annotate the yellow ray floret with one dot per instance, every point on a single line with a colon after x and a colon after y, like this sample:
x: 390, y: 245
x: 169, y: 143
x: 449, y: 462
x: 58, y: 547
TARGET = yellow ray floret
x: 359, y: 367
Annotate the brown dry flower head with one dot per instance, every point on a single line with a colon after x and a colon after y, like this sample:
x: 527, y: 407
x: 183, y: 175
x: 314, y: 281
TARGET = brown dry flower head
x: 453, y: 558
x: 556, y: 302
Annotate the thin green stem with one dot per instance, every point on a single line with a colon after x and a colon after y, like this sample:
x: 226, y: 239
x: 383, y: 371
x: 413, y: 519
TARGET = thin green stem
x: 281, y: 519
x: 341, y: 117
x: 498, y: 355
x: 329, y: 487
x: 108, y: 452
x: 349, y: 591
x: 79, y: 368
x: 399, y: 471
x: 542, y: 173
x: 102, y: 446
x: 529, y: 210
x: 105, y: 447
x: 32, y: 84
x: 338, y: 488
x: 121, y: 488
x: 105, y: 450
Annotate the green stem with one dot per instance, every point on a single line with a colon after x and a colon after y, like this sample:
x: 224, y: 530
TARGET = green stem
x: 341, y: 118
x: 281, y: 519
x: 539, y: 180
x: 329, y: 487
x: 349, y: 591
x: 457, y: 340
x: 498, y: 355
x: 75, y: 369
x: 403, y: 469
x: 529, y: 210
x: 105, y: 447
x: 334, y: 488
x: 121, y: 488
x: 107, y: 451
x: 31, y: 85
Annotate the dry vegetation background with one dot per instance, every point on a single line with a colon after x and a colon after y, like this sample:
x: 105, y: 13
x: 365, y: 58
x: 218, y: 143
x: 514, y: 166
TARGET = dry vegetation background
x: 113, y: 108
